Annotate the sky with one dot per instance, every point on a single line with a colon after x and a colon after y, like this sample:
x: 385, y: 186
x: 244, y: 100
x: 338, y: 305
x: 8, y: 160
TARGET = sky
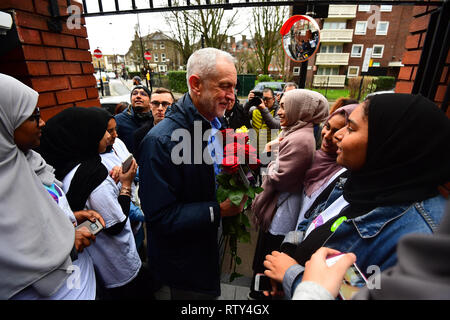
x: 113, y: 34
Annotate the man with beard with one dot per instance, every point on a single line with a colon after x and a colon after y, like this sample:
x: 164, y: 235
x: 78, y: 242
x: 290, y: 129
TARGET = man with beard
x: 134, y: 116
x: 179, y: 197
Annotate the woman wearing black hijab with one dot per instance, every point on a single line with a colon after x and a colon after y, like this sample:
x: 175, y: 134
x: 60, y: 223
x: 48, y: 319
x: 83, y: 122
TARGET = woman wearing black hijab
x: 71, y: 142
x: 396, y: 149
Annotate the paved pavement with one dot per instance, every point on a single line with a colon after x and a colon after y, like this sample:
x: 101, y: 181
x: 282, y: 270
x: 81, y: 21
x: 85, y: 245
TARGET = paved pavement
x: 237, y: 290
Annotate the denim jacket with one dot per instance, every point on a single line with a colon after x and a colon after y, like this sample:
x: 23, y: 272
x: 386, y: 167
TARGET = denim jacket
x: 373, y: 237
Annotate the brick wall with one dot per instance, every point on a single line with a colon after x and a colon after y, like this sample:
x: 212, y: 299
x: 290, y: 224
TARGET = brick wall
x: 411, y: 57
x: 57, y: 65
x: 394, y: 41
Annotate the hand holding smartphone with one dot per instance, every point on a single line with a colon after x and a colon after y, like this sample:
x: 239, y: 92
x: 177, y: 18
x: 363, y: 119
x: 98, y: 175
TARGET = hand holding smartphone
x: 127, y: 164
x: 93, y: 227
x: 262, y: 283
x: 353, y: 280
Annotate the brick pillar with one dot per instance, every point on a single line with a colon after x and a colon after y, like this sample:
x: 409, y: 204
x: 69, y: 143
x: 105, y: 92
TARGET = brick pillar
x: 58, y: 65
x: 411, y: 57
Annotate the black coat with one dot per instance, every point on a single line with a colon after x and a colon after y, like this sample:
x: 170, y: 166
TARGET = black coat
x: 179, y: 203
x: 235, y: 118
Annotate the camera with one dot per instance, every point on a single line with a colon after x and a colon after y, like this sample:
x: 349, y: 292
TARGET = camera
x: 256, y: 100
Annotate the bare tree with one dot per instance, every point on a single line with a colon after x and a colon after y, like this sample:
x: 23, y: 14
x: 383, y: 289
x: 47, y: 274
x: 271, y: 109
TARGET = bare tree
x: 212, y: 24
x: 265, y: 27
x: 185, y: 35
x: 188, y: 27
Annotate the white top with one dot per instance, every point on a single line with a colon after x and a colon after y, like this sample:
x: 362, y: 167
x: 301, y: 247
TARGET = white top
x: 332, y: 211
x: 308, y: 201
x: 119, y: 154
x: 116, y: 259
x: 80, y: 285
x: 287, y: 213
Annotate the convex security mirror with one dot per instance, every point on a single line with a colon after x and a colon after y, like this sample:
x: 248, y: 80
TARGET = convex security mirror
x: 301, y: 37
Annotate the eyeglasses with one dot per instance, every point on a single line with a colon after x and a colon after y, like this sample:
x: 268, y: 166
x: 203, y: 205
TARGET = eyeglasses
x: 164, y: 104
x: 36, y: 116
x: 267, y: 98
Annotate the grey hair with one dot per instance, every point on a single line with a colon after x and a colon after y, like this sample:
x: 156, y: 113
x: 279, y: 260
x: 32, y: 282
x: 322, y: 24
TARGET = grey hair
x: 203, y: 63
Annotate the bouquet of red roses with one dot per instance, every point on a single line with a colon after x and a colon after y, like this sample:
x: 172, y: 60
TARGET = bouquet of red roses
x: 237, y: 179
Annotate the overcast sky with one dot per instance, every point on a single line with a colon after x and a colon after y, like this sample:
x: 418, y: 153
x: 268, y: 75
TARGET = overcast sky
x: 113, y: 33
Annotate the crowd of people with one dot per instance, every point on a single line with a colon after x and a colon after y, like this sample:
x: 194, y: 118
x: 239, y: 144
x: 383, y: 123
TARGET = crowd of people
x: 355, y: 178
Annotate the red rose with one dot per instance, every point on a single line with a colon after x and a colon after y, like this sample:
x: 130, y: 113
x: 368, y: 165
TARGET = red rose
x: 228, y: 135
x: 230, y: 164
x: 234, y: 149
x: 241, y: 137
x: 254, y: 165
x: 230, y: 149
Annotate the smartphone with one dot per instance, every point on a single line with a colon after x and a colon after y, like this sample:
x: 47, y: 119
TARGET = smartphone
x: 127, y: 164
x: 262, y: 283
x: 93, y: 227
x: 353, y: 281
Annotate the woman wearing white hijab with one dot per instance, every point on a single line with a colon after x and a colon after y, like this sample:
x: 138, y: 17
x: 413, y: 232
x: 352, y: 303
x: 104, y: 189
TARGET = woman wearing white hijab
x: 37, y: 237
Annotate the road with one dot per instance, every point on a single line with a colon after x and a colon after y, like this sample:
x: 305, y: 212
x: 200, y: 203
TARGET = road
x: 118, y: 88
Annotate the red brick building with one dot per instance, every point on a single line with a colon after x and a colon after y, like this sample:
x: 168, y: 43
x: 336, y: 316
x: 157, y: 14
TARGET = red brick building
x: 57, y: 64
x: 346, y: 34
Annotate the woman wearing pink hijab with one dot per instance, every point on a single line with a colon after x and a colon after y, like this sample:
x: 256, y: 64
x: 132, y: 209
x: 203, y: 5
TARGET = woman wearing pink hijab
x: 324, y: 172
x: 275, y: 210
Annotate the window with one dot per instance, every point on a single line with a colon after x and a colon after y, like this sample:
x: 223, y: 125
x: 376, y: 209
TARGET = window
x: 331, y: 48
x: 328, y: 71
x: 334, y: 25
x: 360, y: 27
x: 296, y: 71
x: 385, y: 8
x: 162, y: 68
x: 377, y: 51
x: 357, y: 50
x: 364, y: 7
x: 162, y: 46
x: 155, y: 46
x: 155, y: 56
x: 353, y: 71
x: 382, y: 28
x: 163, y: 57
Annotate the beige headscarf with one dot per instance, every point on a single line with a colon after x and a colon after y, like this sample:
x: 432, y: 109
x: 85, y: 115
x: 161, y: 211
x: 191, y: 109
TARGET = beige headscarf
x: 36, y: 236
x: 301, y: 107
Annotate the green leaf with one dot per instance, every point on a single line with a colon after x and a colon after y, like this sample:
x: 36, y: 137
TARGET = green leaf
x: 258, y: 190
x: 222, y: 179
x: 236, y: 196
x: 222, y: 194
x: 232, y: 182
x: 250, y: 192
x: 238, y: 260
x: 244, y: 220
x: 245, y: 238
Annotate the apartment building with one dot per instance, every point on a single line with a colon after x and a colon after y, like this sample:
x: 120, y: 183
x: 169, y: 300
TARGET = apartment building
x: 164, y: 53
x: 346, y: 34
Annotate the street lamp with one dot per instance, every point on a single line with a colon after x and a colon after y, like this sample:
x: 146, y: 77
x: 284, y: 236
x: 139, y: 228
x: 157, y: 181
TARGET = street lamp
x: 142, y: 47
